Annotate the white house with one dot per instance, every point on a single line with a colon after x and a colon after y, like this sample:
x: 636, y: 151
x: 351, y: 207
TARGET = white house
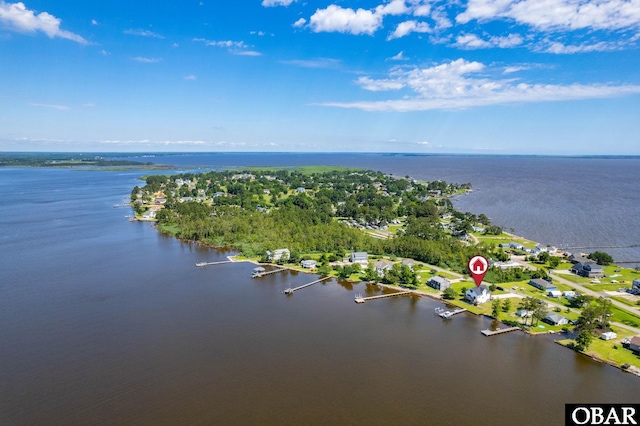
x: 478, y: 295
x: 555, y: 293
x: 555, y: 319
x: 439, y: 283
x: 308, y: 264
x: 381, y: 266
x: 360, y: 257
x: 278, y: 254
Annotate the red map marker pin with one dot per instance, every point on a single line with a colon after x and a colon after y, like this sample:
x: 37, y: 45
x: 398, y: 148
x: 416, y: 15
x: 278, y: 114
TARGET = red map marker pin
x: 478, y: 266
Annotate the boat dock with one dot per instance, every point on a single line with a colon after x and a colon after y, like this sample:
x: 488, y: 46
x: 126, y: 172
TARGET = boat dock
x: 360, y: 299
x: 499, y: 331
x: 201, y: 264
x: 291, y: 290
x: 261, y: 272
x: 448, y: 314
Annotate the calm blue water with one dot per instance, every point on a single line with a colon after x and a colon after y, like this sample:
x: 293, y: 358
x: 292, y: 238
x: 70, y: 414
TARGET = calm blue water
x: 566, y: 202
x: 103, y: 321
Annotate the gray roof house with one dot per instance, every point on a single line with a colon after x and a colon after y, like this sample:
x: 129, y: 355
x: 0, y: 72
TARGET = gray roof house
x: 591, y: 270
x: 543, y: 285
x: 555, y: 319
x: 359, y: 257
x: 478, y: 295
x: 634, y: 344
x: 439, y: 283
x: 278, y: 254
x: 382, y: 265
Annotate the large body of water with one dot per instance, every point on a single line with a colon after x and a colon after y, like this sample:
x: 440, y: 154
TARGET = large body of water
x: 103, y: 321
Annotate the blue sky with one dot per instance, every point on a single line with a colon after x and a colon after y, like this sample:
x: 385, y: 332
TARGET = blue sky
x: 469, y: 76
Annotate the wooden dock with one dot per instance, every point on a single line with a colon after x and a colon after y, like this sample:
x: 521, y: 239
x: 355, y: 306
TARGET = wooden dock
x: 262, y: 274
x: 360, y: 299
x: 291, y: 290
x: 499, y: 331
x: 201, y: 264
x: 448, y: 314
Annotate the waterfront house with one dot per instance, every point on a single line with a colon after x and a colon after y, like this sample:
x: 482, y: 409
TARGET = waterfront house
x: 523, y: 313
x: 381, y: 266
x: 543, y: 285
x: 555, y: 294
x: 555, y: 319
x: 478, y: 295
x: 635, y: 287
x: 634, y: 344
x: 278, y: 254
x: 308, y: 264
x: 439, y: 283
x: 591, y: 270
x: 579, y: 258
x: 360, y: 257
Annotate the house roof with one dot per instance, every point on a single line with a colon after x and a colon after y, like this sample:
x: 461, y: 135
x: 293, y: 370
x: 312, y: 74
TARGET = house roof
x: 543, y: 283
x: 479, y: 290
x: 439, y: 279
x: 635, y: 340
x: 383, y: 264
x: 555, y: 318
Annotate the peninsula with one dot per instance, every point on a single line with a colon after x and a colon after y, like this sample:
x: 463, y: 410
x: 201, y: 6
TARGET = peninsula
x: 365, y: 225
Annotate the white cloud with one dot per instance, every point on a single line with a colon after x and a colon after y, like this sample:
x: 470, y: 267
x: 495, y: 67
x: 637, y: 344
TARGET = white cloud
x: 472, y: 41
x: 399, y: 57
x: 314, y: 63
x: 223, y: 43
x: 258, y: 33
x: 142, y: 33
x: 560, y: 48
x: 462, y: 84
x: 51, y: 106
x: 94, y: 22
x: 408, y: 27
x: 144, y: 60
x: 190, y: 77
x: 272, y: 3
x: 394, y: 7
x: 299, y: 23
x: 246, y: 53
x: 379, y: 85
x: 337, y: 19
x: 557, y: 14
x: 16, y: 17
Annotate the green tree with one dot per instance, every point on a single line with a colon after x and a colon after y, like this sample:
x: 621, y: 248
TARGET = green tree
x: 506, y: 305
x: 554, y: 261
x: 449, y: 293
x: 601, y: 258
x: 583, y: 341
x: 495, y: 308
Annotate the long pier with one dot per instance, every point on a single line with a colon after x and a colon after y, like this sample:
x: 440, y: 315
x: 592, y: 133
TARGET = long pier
x: 597, y: 247
x: 201, y: 264
x: 291, y: 290
x: 262, y: 274
x: 499, y: 331
x: 381, y: 296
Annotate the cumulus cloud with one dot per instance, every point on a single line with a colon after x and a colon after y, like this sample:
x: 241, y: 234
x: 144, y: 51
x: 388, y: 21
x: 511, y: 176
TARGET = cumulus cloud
x: 16, y: 17
x: 272, y: 3
x: 299, y: 23
x: 337, y: 19
x: 408, y: 27
x: 557, y: 14
x: 464, y: 84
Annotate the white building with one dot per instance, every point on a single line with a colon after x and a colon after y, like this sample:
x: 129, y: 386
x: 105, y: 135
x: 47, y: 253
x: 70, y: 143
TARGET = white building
x: 478, y: 295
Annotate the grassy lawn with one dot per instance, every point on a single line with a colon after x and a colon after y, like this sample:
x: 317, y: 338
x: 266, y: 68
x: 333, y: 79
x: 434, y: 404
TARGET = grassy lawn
x: 625, y: 301
x: 503, y: 238
x: 625, y: 317
x: 169, y: 229
x: 610, y: 350
x: 604, y: 287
